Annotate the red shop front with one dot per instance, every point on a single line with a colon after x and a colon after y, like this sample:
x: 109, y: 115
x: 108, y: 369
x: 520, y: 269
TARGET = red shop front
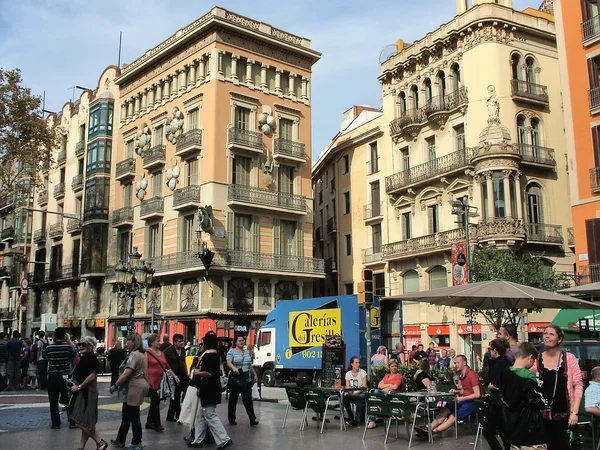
x: 412, y: 336
x: 440, y: 335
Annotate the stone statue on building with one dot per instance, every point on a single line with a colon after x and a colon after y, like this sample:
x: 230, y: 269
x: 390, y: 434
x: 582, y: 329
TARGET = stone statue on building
x: 493, y: 106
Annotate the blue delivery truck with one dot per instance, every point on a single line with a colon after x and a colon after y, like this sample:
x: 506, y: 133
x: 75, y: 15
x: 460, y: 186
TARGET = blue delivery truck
x: 288, y: 346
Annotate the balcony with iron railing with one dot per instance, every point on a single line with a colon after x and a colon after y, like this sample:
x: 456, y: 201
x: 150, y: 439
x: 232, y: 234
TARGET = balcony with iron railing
x: 544, y: 233
x: 61, y: 158
x: 122, y: 217
x: 373, y: 166
x: 7, y: 233
x: 446, y: 164
x: 537, y: 155
x: 59, y: 191
x: 155, y: 157
x: 74, y: 226
x: 595, y: 179
x: 287, y: 149
x: 245, y: 140
x: 226, y: 259
x: 80, y: 148
x: 331, y: 225
x: 590, y: 30
x: 371, y: 255
x: 77, y: 183
x: 531, y: 92
x: 152, y: 208
x: 125, y: 169
x: 588, y: 274
x: 6, y: 201
x: 188, y: 143
x: 185, y: 197
x: 254, y: 197
x: 330, y: 265
x: 570, y: 237
x: 372, y: 211
x: 39, y: 236
x: 56, y: 231
x: 431, y: 243
x: 43, y: 198
x: 594, y: 99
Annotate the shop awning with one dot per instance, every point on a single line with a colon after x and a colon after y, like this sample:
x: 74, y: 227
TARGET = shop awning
x: 568, y: 320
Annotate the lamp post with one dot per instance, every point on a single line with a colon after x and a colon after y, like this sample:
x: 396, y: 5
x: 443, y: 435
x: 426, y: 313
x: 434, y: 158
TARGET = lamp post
x: 133, y: 280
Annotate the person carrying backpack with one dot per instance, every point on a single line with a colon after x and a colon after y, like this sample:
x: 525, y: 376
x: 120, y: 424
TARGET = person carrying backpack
x: 42, y: 363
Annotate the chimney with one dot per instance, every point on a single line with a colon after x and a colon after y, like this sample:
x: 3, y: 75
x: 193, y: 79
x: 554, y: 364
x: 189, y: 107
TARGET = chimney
x: 461, y: 6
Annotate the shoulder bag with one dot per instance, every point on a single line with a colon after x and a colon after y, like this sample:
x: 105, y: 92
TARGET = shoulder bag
x: 238, y: 382
x: 197, y: 381
x: 167, y: 384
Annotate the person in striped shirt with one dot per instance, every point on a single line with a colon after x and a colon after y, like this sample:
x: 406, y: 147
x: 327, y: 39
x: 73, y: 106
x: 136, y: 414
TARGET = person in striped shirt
x: 59, y: 355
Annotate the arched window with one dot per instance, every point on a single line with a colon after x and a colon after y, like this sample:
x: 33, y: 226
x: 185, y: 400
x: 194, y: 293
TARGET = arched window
x: 410, y: 280
x: 535, y: 212
x: 438, y: 277
x: 428, y: 91
x: 456, y: 81
x: 516, y: 66
x: 402, y: 103
x: 530, y: 70
x: 414, y: 92
x: 535, y: 132
x: 441, y: 80
x: 522, y: 135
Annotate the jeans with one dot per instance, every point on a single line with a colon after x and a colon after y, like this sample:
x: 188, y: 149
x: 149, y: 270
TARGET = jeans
x: 360, y: 404
x: 154, y: 410
x: 246, y: 398
x: 130, y: 417
x: 3, y: 369
x: 492, y: 426
x: 42, y: 367
x: 175, y: 403
x: 13, y: 374
x: 206, y: 417
x: 56, y: 390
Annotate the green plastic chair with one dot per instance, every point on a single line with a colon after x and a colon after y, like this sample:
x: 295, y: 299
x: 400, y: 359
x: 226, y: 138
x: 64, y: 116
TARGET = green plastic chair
x: 481, y: 410
x: 320, y: 403
x: 400, y: 411
x: 376, y: 405
x: 297, y: 402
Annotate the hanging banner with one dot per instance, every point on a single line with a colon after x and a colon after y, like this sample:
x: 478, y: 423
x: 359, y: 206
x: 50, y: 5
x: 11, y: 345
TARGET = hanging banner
x: 460, y: 268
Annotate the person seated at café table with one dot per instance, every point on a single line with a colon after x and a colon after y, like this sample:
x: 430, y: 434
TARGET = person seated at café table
x: 592, y: 393
x: 470, y: 390
x: 355, y: 378
x: 389, y: 384
x: 422, y: 376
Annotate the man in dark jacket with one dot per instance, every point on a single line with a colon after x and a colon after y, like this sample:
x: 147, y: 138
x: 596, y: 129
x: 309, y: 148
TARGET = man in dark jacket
x: 175, y: 355
x: 523, y: 402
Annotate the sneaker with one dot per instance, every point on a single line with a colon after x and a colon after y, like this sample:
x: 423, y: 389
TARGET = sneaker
x: 229, y: 443
x: 55, y: 427
x: 421, y: 432
x: 159, y: 428
x: 134, y: 446
x: 117, y: 444
x: 371, y: 425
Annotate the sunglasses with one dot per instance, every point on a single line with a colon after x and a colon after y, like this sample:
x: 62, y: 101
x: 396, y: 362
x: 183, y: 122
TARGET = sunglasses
x: 82, y: 345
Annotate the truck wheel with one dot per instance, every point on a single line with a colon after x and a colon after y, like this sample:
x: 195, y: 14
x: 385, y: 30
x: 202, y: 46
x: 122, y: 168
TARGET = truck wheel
x: 268, y: 378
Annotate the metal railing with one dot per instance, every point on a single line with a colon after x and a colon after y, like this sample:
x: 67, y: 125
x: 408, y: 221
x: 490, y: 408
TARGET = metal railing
x: 125, y: 167
x: 152, y: 206
x: 61, y: 273
x: 73, y: 226
x: 43, y: 198
x: 443, y: 164
x: 55, y: 230
x: 77, y: 182
x: 590, y: 28
x: 372, y: 210
x: 187, y: 194
x: 7, y: 233
x: 122, y: 215
x: 373, y: 166
x: 594, y: 97
x: 570, y: 237
x: 265, y: 197
x: 537, y: 154
x: 532, y: 91
x: 457, y: 98
x: 39, y: 235
x: 371, y: 255
x: 80, y: 148
x: 285, y: 147
x: 6, y: 201
x: 189, y: 139
x: 61, y: 157
x: 595, y: 179
x: 424, y: 244
x: 155, y: 154
x: 331, y: 225
x: 493, y: 228
x: 330, y: 265
x: 59, y: 190
x: 226, y: 258
x: 542, y: 232
x: 588, y: 274
x: 246, y: 138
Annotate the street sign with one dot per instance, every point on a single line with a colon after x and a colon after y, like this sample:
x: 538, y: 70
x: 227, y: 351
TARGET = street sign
x: 469, y: 326
x: 24, y: 283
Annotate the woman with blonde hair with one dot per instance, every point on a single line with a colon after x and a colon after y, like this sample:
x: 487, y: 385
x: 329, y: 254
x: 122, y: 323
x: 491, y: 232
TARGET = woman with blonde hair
x: 83, y: 408
x: 133, y: 387
x: 380, y: 358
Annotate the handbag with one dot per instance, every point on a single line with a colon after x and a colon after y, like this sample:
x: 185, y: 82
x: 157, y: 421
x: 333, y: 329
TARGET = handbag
x: 237, y: 382
x: 167, y: 383
x: 547, y: 412
x: 197, y: 381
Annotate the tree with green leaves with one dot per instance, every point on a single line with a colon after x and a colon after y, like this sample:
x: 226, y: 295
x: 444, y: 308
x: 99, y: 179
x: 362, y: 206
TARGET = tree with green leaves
x: 25, y: 137
x: 492, y: 263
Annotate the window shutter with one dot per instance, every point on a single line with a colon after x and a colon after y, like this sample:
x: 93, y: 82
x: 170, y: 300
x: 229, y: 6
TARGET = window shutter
x: 300, y: 239
x: 276, y: 236
x: 596, y: 145
x: 430, y: 219
x: 593, y: 73
x: 180, y: 233
x: 592, y: 228
x: 147, y: 241
x: 230, y: 232
x: 585, y: 15
x: 256, y: 234
x: 159, y: 251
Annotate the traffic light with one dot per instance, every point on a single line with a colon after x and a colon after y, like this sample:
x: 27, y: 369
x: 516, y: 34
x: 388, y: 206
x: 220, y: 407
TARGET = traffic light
x: 366, y: 288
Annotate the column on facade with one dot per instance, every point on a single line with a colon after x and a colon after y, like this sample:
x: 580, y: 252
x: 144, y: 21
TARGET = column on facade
x: 226, y: 279
x: 174, y: 84
x: 136, y: 108
x: 220, y: 62
x: 263, y: 76
x: 278, y: 80
x: 166, y: 91
x: 507, y: 201
x: 300, y: 289
x: 182, y: 83
x: 234, y: 63
x: 477, y: 198
x: 159, y: 93
x: 273, y: 286
x: 123, y: 111
x: 144, y: 100
x: 519, y: 198
x: 255, y: 282
x: 292, y: 85
x: 151, y: 96
x: 192, y: 77
x: 490, y: 194
x: 130, y: 108
x: 178, y: 295
x: 304, y: 87
x: 249, y: 64
x: 201, y: 68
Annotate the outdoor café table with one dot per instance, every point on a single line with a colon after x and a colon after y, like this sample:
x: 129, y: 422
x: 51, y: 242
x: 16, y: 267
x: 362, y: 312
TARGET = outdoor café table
x: 340, y: 393
x: 422, y: 398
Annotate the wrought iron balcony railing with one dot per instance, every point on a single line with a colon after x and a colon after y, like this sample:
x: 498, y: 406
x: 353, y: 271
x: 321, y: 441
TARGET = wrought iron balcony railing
x: 590, y: 28
x: 39, y: 235
x: 373, y: 166
x: 61, y: 157
x: 55, y: 231
x: 439, y: 166
x: 125, y: 168
x: 424, y: 244
x: 77, y: 182
x: 372, y: 210
x: 6, y: 201
x: 371, y: 255
x: 266, y: 198
x: 330, y: 265
x: 80, y: 148
x: 122, y: 216
x: 570, y: 237
x: 245, y: 138
x: 542, y: 232
x: 537, y: 155
x: 457, y: 98
x: 594, y: 97
x: 500, y: 228
x: 331, y: 225
x: 588, y: 274
x: 188, y: 195
x: 595, y: 179
x: 189, y: 142
x: 59, y: 190
x: 155, y: 156
x: 530, y: 91
x: 43, y: 198
x: 73, y: 226
x: 8, y: 233
x: 152, y: 206
x: 285, y: 147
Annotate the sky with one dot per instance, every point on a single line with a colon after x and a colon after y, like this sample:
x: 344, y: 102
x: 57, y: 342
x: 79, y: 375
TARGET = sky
x: 61, y: 43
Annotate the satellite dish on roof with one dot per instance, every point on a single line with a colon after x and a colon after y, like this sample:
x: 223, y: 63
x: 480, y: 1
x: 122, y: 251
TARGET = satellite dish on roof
x: 386, y: 52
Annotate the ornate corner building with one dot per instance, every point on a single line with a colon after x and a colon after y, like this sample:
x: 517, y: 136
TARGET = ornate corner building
x: 470, y: 112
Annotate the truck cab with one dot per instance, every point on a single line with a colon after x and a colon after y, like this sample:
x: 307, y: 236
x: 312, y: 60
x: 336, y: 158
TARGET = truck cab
x: 264, y: 355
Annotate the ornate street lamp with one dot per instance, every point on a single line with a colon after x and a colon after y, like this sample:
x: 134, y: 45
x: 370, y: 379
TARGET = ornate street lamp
x: 133, y: 280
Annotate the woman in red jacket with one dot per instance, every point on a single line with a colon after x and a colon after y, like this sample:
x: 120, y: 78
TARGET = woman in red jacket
x: 157, y: 364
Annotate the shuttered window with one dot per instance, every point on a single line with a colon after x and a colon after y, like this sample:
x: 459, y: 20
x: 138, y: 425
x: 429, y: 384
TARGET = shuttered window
x: 406, y: 219
x: 241, y: 170
x: 592, y: 228
x: 596, y: 145
x: 286, y: 179
x: 286, y: 127
x: 242, y: 232
x: 193, y: 121
x: 187, y: 233
x: 433, y: 219
x: 242, y: 118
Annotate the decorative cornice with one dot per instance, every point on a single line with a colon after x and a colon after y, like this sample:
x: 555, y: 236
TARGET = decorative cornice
x: 158, y: 116
x: 126, y: 133
x: 194, y: 98
x: 244, y: 98
x: 287, y: 109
